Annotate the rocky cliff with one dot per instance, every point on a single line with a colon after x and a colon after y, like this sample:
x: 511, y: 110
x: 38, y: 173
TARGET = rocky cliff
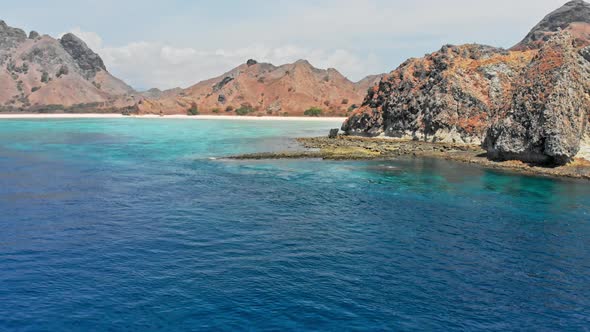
x: 264, y: 89
x: 446, y: 96
x: 528, y: 103
x: 39, y: 73
x: 547, y: 119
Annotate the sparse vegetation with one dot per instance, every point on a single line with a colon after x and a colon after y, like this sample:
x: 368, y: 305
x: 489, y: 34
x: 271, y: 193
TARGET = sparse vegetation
x: 44, y: 77
x: 35, y: 88
x: 63, y: 70
x: 194, y: 110
x: 216, y: 110
x: 244, y: 110
x: 314, y: 111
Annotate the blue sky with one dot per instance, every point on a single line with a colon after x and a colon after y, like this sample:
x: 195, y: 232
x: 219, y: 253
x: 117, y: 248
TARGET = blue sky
x: 180, y: 42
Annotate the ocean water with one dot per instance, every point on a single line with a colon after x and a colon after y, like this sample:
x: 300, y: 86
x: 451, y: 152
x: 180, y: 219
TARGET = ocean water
x: 140, y: 225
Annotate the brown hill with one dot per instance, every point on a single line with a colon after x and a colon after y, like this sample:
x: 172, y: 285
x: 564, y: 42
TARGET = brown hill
x: 535, y: 96
x: 40, y: 72
x: 265, y: 89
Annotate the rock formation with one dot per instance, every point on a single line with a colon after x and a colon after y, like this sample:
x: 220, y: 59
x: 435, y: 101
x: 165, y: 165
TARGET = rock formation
x: 446, y: 96
x: 548, y: 117
x: 264, y: 89
x: 41, y: 73
x: 529, y: 103
x: 88, y: 61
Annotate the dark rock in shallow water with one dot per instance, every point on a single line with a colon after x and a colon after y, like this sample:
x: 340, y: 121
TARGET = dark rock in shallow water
x: 550, y: 110
x: 333, y: 133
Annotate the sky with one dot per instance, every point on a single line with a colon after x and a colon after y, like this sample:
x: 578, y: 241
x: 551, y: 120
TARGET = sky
x: 177, y: 43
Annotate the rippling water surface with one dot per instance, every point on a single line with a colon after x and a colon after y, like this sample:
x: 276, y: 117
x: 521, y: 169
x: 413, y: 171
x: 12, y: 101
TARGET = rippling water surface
x: 133, y: 224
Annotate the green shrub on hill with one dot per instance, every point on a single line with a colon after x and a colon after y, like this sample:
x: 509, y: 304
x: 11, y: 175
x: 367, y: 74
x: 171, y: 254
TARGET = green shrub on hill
x: 244, y: 110
x: 314, y: 111
x: 194, y: 110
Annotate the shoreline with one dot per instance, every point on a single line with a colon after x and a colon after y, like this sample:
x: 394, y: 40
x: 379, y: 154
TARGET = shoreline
x: 359, y: 148
x: 152, y: 116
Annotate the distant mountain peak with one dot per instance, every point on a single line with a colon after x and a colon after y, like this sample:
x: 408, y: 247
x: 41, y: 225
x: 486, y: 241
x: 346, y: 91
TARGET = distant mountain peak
x: 573, y: 16
x: 303, y: 62
x: 39, y: 73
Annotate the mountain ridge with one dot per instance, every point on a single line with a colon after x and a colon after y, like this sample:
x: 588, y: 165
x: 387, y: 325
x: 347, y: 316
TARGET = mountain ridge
x: 38, y: 72
x: 266, y: 89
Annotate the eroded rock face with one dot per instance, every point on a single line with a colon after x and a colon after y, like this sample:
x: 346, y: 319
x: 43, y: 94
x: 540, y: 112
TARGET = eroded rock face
x: 10, y: 37
x: 87, y: 60
x: 446, y: 96
x: 548, y: 116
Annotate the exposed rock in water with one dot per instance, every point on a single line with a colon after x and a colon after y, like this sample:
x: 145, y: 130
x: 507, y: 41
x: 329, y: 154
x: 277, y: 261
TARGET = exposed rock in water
x: 87, y: 60
x: 550, y: 110
x: 333, y: 133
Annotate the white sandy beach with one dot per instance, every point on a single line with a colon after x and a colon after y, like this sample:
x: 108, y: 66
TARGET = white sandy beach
x: 197, y: 117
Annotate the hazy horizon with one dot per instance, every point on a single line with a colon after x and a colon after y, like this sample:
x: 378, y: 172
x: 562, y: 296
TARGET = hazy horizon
x: 179, y: 43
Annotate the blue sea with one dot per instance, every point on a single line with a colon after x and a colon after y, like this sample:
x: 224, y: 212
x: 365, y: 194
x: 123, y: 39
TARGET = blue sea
x: 141, y: 225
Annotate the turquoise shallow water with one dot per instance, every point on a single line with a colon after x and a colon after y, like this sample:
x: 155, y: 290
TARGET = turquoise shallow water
x: 135, y: 224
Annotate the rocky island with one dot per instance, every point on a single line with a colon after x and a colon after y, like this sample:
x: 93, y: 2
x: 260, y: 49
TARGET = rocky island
x: 526, y: 108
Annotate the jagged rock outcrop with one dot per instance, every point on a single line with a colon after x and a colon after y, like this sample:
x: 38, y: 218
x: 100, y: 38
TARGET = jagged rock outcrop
x: 548, y: 117
x: 264, y: 89
x: 34, y: 35
x: 446, y: 96
x: 529, y: 103
x: 10, y: 37
x: 573, y: 17
x: 42, y: 73
x: 87, y: 60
